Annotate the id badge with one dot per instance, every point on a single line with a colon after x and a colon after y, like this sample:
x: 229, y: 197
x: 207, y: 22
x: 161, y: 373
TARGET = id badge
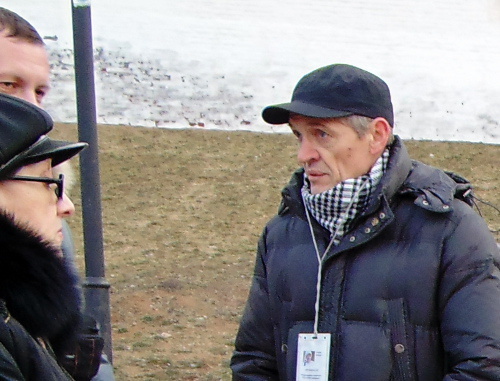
x: 313, y: 357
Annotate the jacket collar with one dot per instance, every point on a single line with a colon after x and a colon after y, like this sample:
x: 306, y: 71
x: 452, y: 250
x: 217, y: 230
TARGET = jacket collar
x: 36, y: 284
x: 397, y: 171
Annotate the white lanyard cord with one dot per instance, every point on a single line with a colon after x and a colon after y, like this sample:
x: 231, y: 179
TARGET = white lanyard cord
x: 320, y: 257
x: 320, y: 267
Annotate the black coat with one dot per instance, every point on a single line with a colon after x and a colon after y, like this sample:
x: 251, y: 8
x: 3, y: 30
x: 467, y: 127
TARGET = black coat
x: 412, y: 291
x: 39, y: 298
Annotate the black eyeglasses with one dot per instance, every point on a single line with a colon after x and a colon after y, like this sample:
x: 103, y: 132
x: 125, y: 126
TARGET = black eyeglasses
x: 59, y: 190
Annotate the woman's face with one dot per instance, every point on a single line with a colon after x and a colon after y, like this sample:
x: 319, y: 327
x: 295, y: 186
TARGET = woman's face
x: 35, y: 204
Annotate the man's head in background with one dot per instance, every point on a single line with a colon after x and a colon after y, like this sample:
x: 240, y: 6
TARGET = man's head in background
x: 24, y: 63
x: 24, y: 67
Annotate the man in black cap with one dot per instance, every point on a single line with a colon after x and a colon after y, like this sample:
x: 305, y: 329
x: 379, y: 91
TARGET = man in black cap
x: 375, y: 263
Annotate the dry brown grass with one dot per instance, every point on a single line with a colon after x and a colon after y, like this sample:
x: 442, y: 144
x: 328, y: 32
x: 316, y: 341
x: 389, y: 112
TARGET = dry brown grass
x: 182, y: 212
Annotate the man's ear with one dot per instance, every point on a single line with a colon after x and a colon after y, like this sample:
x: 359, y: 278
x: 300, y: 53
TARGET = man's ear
x: 381, y: 132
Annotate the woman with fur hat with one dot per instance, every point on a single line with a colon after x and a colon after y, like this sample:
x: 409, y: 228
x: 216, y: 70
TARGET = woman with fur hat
x: 39, y: 296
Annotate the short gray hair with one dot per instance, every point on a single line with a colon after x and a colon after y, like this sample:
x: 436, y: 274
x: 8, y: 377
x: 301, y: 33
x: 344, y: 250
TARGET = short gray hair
x: 360, y: 124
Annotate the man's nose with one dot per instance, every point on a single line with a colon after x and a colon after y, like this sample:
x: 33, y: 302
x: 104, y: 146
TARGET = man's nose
x: 307, y: 152
x: 65, y: 207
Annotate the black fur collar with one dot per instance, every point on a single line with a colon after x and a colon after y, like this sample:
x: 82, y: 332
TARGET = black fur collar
x: 37, y: 286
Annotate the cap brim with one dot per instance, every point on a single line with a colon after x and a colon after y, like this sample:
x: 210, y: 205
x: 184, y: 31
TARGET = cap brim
x: 280, y: 114
x: 46, y: 148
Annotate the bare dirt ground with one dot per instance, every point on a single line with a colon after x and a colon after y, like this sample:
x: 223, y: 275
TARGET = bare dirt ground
x: 182, y: 213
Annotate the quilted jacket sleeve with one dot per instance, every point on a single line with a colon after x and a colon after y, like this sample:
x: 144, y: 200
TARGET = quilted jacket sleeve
x: 8, y: 367
x: 470, y: 299
x: 254, y: 356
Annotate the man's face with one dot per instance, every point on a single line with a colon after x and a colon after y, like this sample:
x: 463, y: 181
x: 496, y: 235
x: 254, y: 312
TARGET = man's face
x: 24, y: 69
x: 330, y: 151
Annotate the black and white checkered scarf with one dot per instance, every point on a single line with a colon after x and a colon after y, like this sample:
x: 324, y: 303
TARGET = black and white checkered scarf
x: 336, y: 208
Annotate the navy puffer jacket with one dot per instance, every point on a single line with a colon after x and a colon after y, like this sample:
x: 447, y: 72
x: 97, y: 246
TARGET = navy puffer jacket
x: 412, y: 292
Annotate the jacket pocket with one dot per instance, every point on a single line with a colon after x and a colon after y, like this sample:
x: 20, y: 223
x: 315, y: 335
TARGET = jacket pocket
x: 402, y: 342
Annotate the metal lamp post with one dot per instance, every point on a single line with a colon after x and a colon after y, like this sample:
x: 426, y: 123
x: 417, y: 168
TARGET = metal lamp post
x: 96, y: 288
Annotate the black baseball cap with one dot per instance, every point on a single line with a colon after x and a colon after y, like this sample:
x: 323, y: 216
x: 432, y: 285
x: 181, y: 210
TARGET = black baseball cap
x: 335, y: 91
x: 22, y: 137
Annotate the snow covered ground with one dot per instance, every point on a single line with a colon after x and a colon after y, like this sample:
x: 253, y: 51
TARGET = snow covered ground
x: 217, y: 63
